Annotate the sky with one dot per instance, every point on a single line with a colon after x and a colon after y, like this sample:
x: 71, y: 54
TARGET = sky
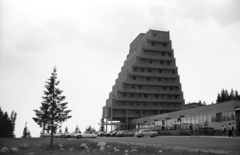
x: 88, y: 42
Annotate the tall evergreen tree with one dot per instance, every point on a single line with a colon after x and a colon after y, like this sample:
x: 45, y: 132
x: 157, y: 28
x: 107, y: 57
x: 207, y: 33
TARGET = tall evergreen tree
x: 7, y: 124
x: 231, y: 96
x: 219, y: 98
x: 66, y: 129
x: 13, y: 118
x: 53, y: 111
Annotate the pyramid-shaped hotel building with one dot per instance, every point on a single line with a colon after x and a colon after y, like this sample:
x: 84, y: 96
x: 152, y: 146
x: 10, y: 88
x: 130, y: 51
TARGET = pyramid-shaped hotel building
x: 148, y: 83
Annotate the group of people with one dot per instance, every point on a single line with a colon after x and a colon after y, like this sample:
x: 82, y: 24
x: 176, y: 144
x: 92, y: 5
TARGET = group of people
x: 231, y: 130
x: 194, y: 131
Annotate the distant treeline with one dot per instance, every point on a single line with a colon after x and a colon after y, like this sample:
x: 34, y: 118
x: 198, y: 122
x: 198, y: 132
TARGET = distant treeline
x: 7, y: 124
x: 224, y: 96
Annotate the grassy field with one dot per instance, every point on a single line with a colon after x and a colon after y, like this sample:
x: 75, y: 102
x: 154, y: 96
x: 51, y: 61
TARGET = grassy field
x: 41, y: 146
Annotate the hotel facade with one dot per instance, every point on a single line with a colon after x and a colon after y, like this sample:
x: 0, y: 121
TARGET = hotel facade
x: 148, y: 83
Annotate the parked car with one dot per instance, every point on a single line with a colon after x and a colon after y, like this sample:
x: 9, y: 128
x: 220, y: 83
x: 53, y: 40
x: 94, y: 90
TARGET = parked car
x: 125, y: 133
x: 107, y: 134
x: 114, y: 133
x: 100, y: 133
x: 85, y: 135
x: 58, y: 135
x: 45, y: 135
x: 146, y: 132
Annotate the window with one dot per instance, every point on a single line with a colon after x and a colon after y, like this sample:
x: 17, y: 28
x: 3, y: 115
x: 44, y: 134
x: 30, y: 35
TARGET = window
x: 160, y: 71
x: 131, y: 103
x: 149, y: 70
x: 168, y: 104
x: 135, y: 69
x: 133, y: 87
x: 140, y: 87
x: 153, y: 44
x: 134, y: 78
x: 156, y: 96
x: 123, y: 103
x: 148, y: 79
x: 145, y: 96
x: 165, y: 45
x: 168, y: 63
x: 176, y: 96
x: 124, y: 95
x: 143, y: 112
x: 163, y: 54
x: 161, y: 62
x: 139, y: 95
x: 123, y: 111
x: 164, y: 88
x: 169, y: 96
x: 144, y: 104
x: 142, y: 69
x: 150, y: 61
x: 132, y: 95
x: 170, y: 54
x: 138, y: 103
x: 177, y: 88
x: 171, y: 88
x: 159, y: 79
x: 155, y: 104
x: 166, y: 80
x: 173, y: 72
x: 154, y: 35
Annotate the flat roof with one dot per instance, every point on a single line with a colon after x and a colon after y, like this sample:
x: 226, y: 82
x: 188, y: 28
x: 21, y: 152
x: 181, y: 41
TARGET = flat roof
x: 213, y: 108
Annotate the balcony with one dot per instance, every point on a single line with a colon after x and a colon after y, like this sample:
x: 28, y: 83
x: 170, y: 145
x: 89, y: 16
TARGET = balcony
x: 152, y: 74
x: 150, y: 91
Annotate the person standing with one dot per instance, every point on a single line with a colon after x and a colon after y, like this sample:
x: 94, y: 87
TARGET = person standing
x: 229, y: 130
x: 234, y: 130
x: 191, y: 130
x: 197, y: 130
x: 224, y: 130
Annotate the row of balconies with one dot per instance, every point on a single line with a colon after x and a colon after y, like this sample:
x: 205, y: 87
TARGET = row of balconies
x: 152, y: 74
x: 148, y: 99
x: 150, y: 91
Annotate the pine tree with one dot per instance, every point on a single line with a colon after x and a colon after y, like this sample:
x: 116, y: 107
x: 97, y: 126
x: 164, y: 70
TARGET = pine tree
x: 25, y: 132
x: 53, y: 111
x: 102, y: 125
x: 66, y: 129
x: 77, y: 129
x: 13, y: 118
x: 219, y: 98
x: 231, y: 96
x: 237, y: 96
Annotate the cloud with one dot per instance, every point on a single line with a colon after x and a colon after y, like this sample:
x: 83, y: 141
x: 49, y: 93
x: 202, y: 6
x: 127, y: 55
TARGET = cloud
x: 224, y: 12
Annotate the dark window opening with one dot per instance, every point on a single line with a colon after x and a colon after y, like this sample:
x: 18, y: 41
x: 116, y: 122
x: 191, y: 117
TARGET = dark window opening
x: 133, y: 87
x: 156, y: 96
x: 153, y: 44
x: 163, y: 54
x: 125, y: 95
x: 160, y: 71
x: 135, y: 69
x: 170, y: 54
x: 134, y: 78
x: 142, y: 69
x: 154, y: 35
x: 164, y: 45
x: 140, y: 87
x: 168, y: 63
x: 145, y: 96
x: 132, y: 95
x: 159, y: 79
x: 149, y: 70
x: 148, y: 79
x: 150, y: 61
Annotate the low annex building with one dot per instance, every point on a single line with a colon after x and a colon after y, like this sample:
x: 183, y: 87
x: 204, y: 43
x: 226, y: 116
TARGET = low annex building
x: 148, y: 83
x: 215, y: 115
